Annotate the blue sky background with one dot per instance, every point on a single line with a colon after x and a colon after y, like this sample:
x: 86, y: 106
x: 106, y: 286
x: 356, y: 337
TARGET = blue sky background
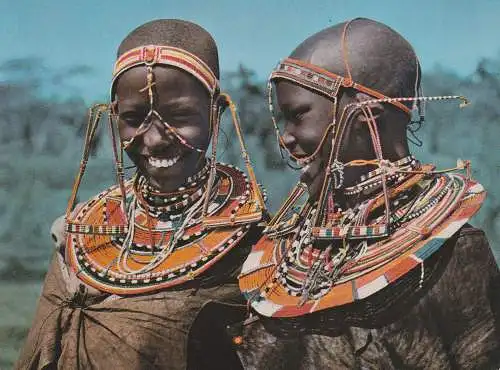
x: 453, y: 34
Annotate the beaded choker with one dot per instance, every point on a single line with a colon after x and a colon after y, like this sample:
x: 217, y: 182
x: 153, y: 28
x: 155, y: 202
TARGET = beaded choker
x: 373, y: 179
x: 328, y: 84
x: 184, y: 196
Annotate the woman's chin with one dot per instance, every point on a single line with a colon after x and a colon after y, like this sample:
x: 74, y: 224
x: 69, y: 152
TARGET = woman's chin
x: 165, y: 179
x: 169, y: 178
x: 312, y: 176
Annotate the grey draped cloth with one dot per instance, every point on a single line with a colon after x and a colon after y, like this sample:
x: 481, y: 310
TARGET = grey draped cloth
x: 451, y: 323
x: 78, y: 327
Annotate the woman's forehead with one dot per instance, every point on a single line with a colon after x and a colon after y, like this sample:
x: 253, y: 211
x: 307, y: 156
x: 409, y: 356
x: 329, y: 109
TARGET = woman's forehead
x: 290, y: 94
x: 167, y: 80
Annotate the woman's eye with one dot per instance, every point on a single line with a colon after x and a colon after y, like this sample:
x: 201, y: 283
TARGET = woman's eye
x: 296, y: 116
x: 299, y: 115
x: 132, y: 119
x: 184, y: 115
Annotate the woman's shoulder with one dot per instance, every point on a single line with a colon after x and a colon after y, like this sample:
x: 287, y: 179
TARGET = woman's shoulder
x: 472, y: 251
x: 471, y: 277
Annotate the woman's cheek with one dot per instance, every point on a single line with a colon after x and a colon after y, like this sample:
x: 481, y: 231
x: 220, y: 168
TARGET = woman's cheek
x: 126, y: 131
x: 196, y: 134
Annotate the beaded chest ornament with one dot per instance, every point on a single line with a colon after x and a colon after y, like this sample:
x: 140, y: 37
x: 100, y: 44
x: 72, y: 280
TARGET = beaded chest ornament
x: 410, y: 212
x: 134, y: 239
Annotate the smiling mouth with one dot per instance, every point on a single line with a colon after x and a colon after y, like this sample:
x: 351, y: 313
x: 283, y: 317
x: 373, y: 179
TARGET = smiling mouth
x: 305, y: 168
x: 305, y: 160
x: 163, y: 162
x: 305, y: 175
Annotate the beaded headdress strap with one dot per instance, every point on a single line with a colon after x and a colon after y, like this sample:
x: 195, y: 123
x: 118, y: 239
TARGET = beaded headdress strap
x: 167, y: 55
x: 323, y: 81
x: 149, y: 56
x: 328, y: 84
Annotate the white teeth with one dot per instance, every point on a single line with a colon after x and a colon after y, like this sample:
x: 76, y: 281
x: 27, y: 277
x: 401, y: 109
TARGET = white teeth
x: 162, y: 162
x: 303, y: 162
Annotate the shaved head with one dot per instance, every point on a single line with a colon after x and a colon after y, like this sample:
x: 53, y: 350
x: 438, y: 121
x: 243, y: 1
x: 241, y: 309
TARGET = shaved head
x: 379, y: 57
x: 177, y: 33
x: 374, y: 56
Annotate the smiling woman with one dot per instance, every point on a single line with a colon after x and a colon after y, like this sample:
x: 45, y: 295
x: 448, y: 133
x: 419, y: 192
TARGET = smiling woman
x: 370, y: 262
x: 180, y: 102
x: 144, y: 274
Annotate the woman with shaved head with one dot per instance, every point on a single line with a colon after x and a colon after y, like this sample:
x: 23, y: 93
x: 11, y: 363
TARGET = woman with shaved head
x: 370, y: 263
x: 144, y: 276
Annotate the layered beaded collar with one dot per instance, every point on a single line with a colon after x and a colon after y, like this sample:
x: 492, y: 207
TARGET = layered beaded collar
x: 160, y: 247
x: 184, y: 196
x: 294, y: 270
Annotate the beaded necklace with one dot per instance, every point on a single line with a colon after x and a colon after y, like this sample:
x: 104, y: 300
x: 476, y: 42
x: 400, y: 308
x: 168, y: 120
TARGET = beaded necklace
x: 290, y: 272
x: 154, y: 252
x: 132, y: 238
x: 158, y: 203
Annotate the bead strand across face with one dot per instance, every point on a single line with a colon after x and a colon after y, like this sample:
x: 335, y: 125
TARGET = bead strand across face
x: 317, y: 112
x: 164, y: 123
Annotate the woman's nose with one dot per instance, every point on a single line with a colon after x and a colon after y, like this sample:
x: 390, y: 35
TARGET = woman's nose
x: 156, y: 135
x: 288, y: 138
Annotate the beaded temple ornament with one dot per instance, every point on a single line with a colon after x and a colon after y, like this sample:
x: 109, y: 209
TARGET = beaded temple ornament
x: 316, y: 256
x: 132, y: 238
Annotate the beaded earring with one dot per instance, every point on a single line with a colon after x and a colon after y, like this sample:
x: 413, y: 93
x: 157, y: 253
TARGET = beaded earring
x: 224, y: 100
x: 150, y: 56
x: 329, y: 84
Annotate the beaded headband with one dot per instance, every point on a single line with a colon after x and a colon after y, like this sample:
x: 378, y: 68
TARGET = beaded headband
x: 328, y: 84
x: 323, y: 81
x: 167, y: 55
x: 149, y: 56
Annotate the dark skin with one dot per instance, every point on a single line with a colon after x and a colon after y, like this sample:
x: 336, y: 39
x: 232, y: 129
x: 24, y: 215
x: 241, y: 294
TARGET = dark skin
x: 183, y: 102
x: 307, y: 115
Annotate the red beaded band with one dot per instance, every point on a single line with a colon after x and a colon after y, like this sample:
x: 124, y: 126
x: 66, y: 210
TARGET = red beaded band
x: 323, y: 81
x: 167, y: 55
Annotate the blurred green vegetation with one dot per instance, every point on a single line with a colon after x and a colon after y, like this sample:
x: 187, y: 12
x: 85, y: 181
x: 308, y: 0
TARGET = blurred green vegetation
x: 42, y: 120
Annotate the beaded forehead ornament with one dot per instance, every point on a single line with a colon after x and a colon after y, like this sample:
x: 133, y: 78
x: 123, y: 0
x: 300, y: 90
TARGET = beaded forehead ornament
x: 408, y: 212
x: 134, y: 239
x: 330, y: 85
